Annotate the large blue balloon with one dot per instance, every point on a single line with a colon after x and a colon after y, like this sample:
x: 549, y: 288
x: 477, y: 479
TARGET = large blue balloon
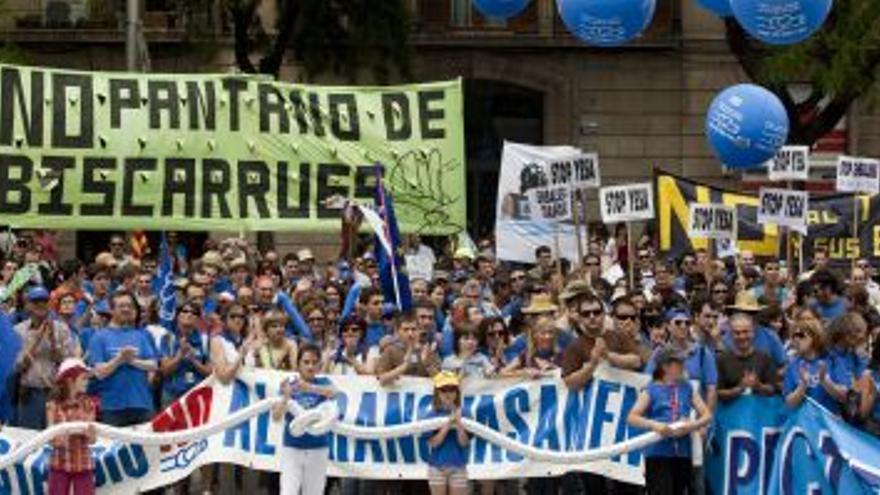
x: 721, y: 8
x: 746, y: 125
x: 606, y: 22
x: 781, y: 22
x: 500, y: 8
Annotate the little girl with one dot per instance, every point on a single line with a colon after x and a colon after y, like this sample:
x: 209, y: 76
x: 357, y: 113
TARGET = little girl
x: 447, y: 460
x: 304, y: 458
x: 669, y: 399
x: 71, y: 466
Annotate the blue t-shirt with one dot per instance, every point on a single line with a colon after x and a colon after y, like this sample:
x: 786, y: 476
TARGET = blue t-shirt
x: 766, y: 341
x: 847, y: 365
x: 699, y: 365
x: 814, y: 386
x: 186, y: 376
x: 307, y: 400
x: 127, y: 387
x: 375, y: 331
x: 669, y: 404
x: 449, y: 454
x: 520, y: 344
x: 831, y: 311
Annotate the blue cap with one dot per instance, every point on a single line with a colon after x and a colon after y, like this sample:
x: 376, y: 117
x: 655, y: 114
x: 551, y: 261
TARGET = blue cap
x: 388, y: 310
x: 674, y: 313
x: 102, y: 307
x: 38, y: 293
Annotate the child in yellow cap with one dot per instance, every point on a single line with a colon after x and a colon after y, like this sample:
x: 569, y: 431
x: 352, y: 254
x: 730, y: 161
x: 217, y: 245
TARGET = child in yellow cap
x: 447, y: 460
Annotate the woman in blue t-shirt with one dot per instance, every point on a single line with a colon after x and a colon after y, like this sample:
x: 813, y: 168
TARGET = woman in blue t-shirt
x: 304, y: 458
x: 811, y: 372
x: 665, y: 406
x: 869, y: 388
x: 447, y: 460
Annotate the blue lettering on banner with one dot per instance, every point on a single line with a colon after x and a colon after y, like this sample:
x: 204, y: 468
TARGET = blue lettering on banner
x: 485, y: 415
x: 240, y: 400
x: 366, y: 416
x: 424, y: 409
x: 183, y: 458
x: 338, y: 443
x: 262, y: 444
x: 396, y: 414
x: 516, y: 402
x: 602, y: 415
x: 624, y: 430
x: 577, y: 417
x: 546, y: 435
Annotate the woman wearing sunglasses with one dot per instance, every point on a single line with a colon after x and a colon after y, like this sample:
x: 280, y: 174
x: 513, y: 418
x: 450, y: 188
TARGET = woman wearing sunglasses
x: 233, y: 348
x: 353, y: 356
x: 810, y: 373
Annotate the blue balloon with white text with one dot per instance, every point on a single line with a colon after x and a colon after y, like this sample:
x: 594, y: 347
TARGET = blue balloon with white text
x: 781, y: 22
x: 606, y: 23
x: 721, y: 8
x: 500, y: 8
x: 746, y: 125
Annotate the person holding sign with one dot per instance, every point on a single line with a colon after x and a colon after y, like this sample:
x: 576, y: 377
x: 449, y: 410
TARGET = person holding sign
x: 664, y: 407
x: 304, y: 458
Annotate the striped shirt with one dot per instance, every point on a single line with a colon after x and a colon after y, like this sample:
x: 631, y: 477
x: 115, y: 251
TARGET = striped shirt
x: 71, y: 453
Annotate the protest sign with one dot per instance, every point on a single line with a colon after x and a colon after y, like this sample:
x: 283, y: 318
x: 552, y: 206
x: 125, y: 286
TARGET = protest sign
x: 829, y: 220
x: 627, y: 203
x: 88, y: 150
x: 763, y: 447
x: 519, y: 229
x: 540, y: 413
x: 784, y: 208
x: 790, y: 163
x: 555, y: 183
x: 712, y: 221
x: 858, y: 175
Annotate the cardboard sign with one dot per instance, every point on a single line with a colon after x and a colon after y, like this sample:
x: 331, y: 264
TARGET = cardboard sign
x: 790, y: 163
x: 858, y: 175
x: 712, y: 221
x: 555, y: 182
x: 784, y: 208
x: 627, y: 203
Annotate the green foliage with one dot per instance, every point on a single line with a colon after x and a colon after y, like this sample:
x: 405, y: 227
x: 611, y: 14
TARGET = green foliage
x: 340, y: 37
x: 839, y: 59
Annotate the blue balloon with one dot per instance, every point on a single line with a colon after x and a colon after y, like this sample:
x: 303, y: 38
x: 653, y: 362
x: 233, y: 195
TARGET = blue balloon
x: 606, y: 22
x: 781, y: 22
x: 721, y: 8
x: 746, y: 125
x: 500, y: 8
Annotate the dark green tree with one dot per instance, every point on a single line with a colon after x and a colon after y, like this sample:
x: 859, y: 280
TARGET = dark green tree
x: 839, y: 64
x: 340, y: 37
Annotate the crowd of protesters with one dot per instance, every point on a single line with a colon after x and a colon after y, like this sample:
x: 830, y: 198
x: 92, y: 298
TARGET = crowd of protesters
x: 737, y: 326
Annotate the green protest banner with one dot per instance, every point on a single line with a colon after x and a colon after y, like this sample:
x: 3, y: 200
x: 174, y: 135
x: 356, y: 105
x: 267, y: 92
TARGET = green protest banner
x: 101, y: 150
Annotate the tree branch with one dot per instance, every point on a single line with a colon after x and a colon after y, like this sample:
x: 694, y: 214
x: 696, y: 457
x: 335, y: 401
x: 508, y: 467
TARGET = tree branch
x: 242, y: 16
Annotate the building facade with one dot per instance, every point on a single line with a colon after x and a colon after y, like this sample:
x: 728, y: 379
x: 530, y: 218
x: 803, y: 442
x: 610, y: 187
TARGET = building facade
x: 640, y: 107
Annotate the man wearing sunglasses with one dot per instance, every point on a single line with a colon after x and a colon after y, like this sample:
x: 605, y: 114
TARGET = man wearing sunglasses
x: 626, y: 348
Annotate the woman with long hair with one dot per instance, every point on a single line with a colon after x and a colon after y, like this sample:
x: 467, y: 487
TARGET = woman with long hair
x: 542, y: 353
x: 233, y: 347
x: 277, y: 352
x: 352, y: 356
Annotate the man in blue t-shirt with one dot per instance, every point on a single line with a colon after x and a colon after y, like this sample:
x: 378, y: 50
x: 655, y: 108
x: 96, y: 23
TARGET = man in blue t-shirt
x: 829, y: 304
x: 122, y: 356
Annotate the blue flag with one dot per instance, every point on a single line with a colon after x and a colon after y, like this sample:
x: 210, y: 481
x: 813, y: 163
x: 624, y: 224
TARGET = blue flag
x: 167, y: 291
x: 10, y: 345
x: 390, y: 267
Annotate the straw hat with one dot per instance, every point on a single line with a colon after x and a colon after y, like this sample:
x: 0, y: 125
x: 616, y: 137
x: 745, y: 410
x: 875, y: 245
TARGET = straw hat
x: 574, y: 289
x: 745, y: 302
x: 539, y: 304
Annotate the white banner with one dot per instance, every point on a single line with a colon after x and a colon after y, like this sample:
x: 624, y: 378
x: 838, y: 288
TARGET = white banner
x: 519, y: 229
x: 627, y: 203
x: 558, y: 181
x: 790, y: 163
x: 541, y: 414
x: 712, y: 221
x: 858, y: 175
x: 784, y: 207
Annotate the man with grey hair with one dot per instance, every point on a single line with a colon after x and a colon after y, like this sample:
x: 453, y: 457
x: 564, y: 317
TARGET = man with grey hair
x: 742, y: 369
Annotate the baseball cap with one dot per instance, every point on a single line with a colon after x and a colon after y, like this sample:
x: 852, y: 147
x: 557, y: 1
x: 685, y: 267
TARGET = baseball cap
x: 71, y: 368
x: 38, y: 293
